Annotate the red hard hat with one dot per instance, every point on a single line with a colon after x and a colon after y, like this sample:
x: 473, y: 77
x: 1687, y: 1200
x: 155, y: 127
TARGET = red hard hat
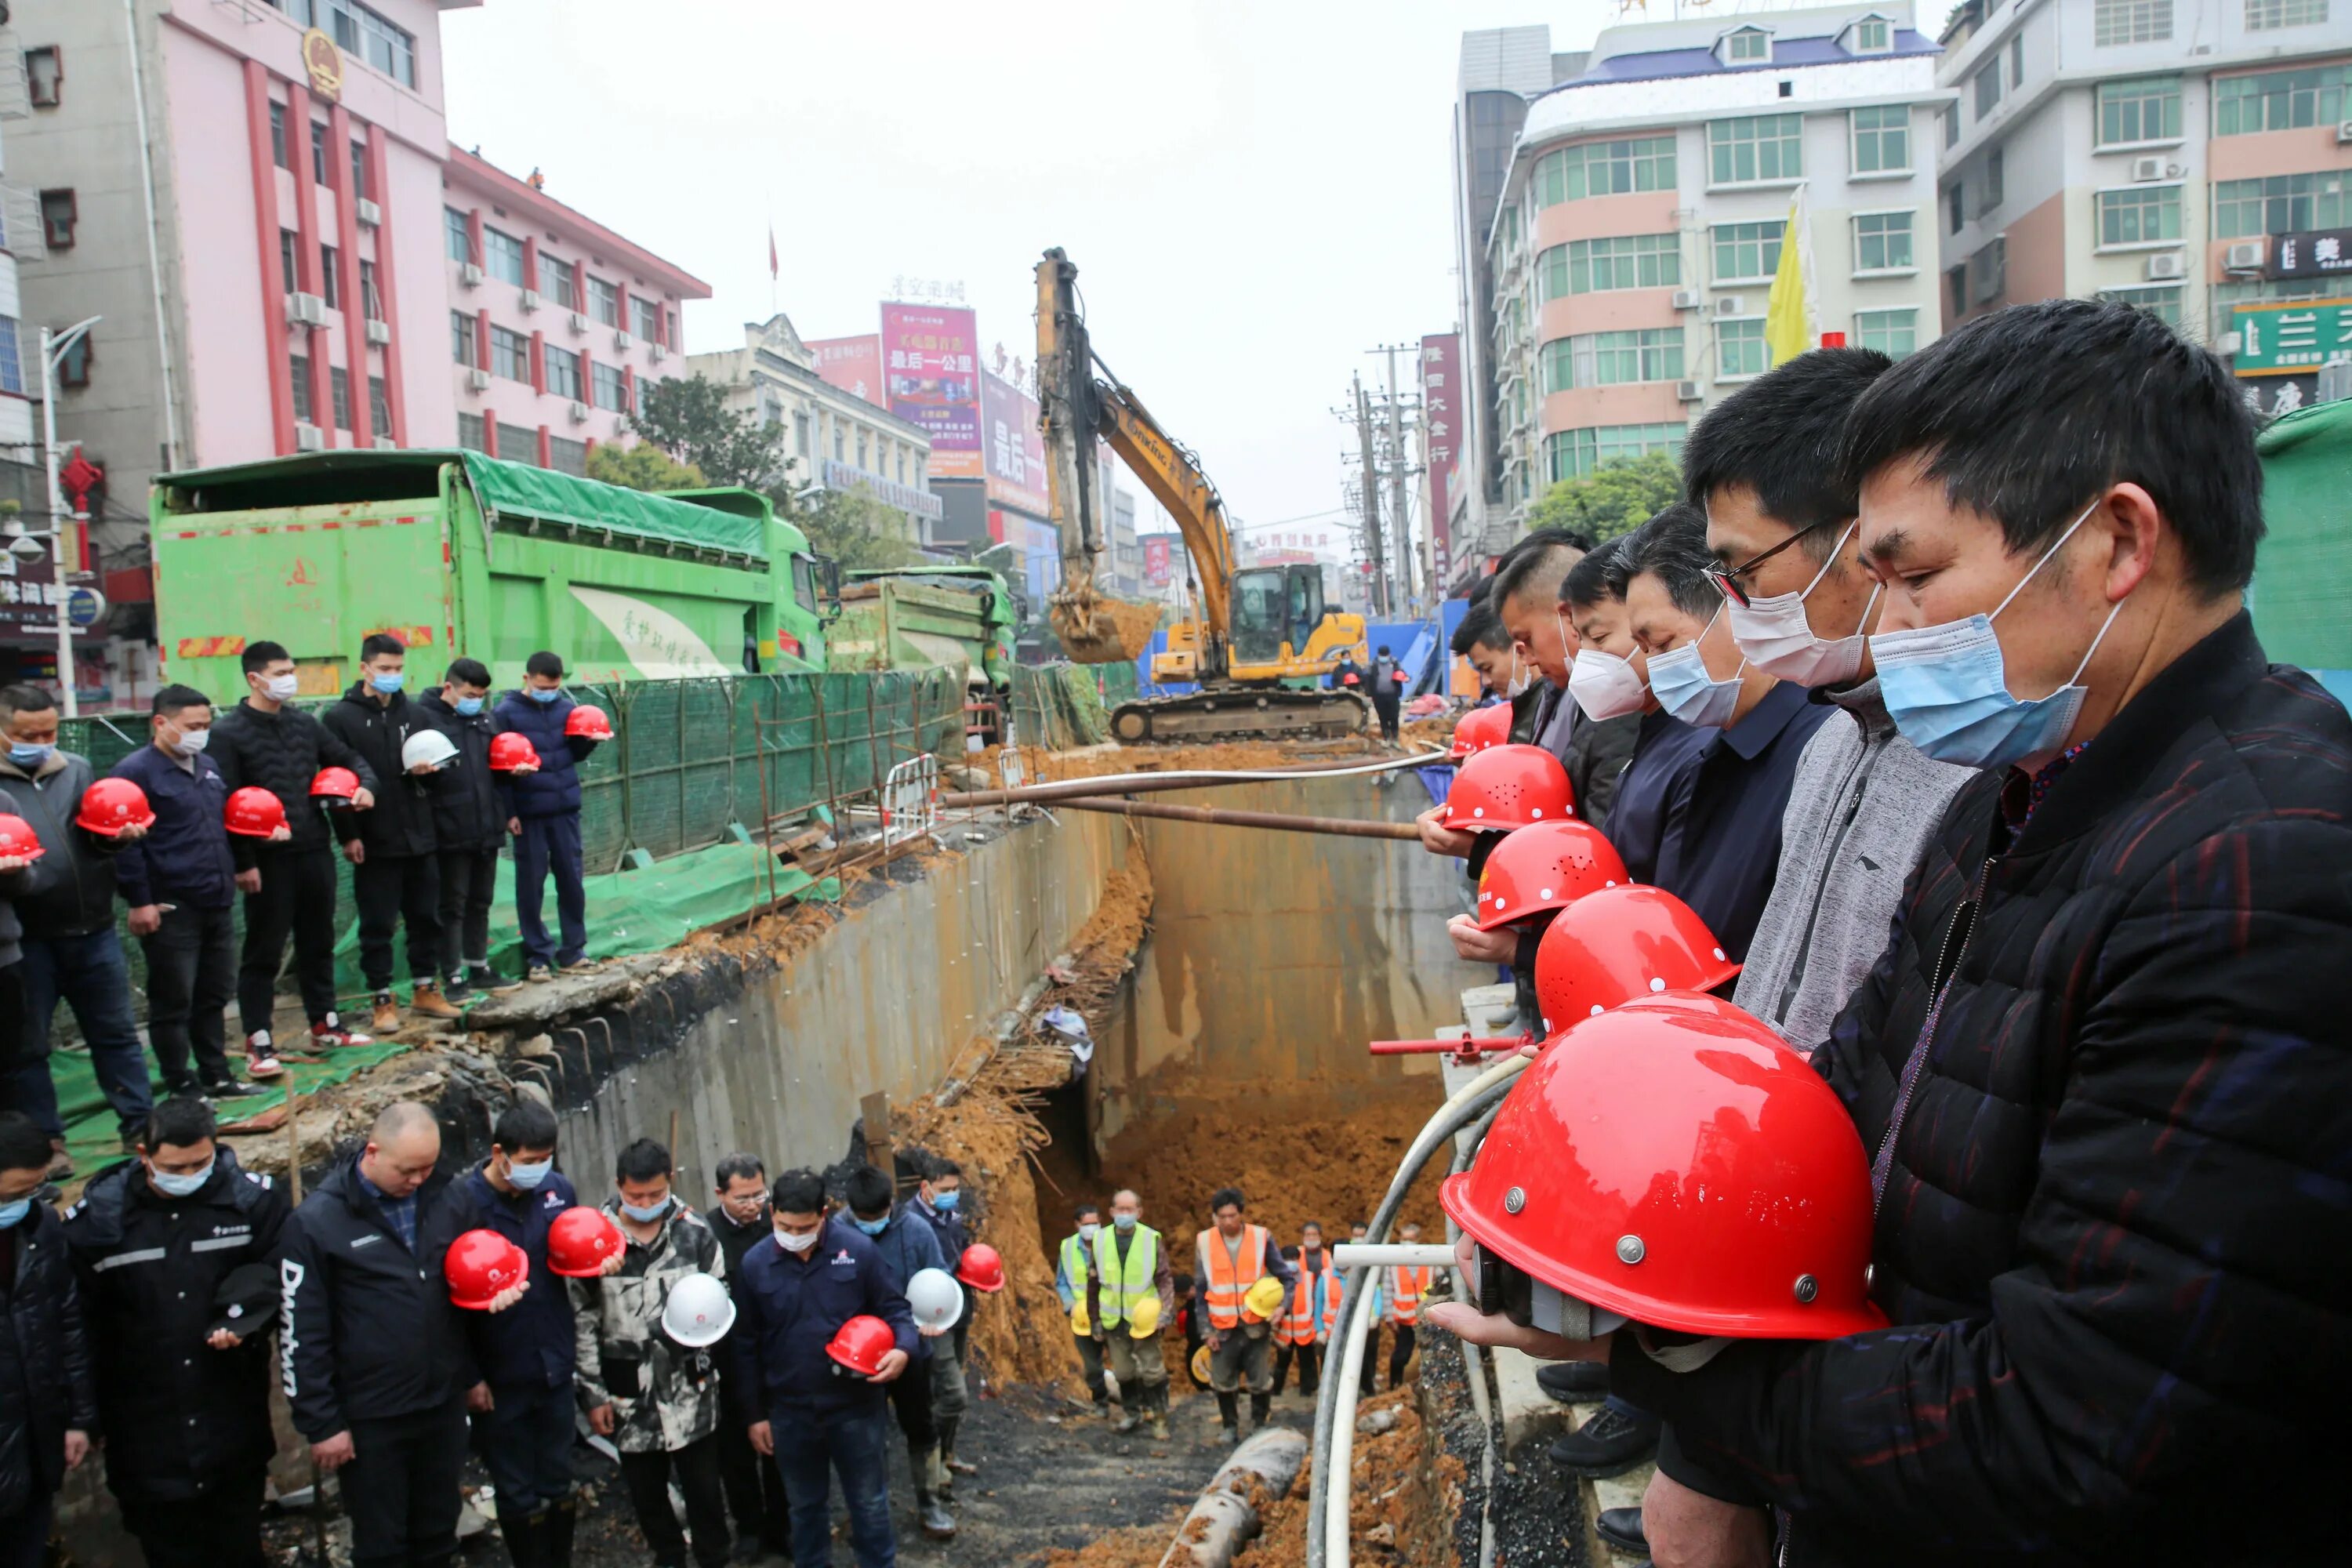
x: 1547, y: 866
x: 1673, y: 1168
x: 1349, y: 679
x: 480, y: 1265
x: 18, y: 839
x: 111, y: 805
x: 860, y: 1344
x: 981, y: 1269
x: 1505, y: 787
x: 1704, y: 1004
x: 334, y: 783
x: 1481, y: 728
x: 511, y: 749
x: 588, y: 720
x: 579, y: 1241
x: 254, y: 813
x: 1603, y: 951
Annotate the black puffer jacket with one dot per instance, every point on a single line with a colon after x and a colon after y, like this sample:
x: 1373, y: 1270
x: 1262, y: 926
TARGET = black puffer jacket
x: 2115, y: 1233
x: 282, y: 752
x: 401, y: 822
x: 45, y: 1388
x: 467, y: 811
x: 70, y: 891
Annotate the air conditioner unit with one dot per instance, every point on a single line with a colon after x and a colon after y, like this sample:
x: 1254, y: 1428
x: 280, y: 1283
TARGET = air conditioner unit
x: 2167, y: 267
x: 622, y: 340
x: 579, y: 413
x: 477, y: 381
x: 368, y: 212
x: 386, y: 444
x: 1686, y: 299
x: 657, y: 352
x: 308, y: 437
x: 2245, y: 256
x: 1731, y: 305
x: 379, y: 333
x: 1688, y: 391
x: 2147, y: 168
x: 530, y: 298
x: 2343, y: 133
x: 305, y: 310
x: 579, y: 323
x: 469, y: 274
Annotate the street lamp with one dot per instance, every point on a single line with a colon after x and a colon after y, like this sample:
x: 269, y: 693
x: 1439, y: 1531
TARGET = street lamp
x: 55, y: 346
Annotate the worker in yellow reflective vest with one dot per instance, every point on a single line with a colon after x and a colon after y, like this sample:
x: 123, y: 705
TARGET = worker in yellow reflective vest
x: 1131, y: 1297
x: 1407, y: 1286
x: 1305, y: 1326
x: 1242, y: 1281
x: 1072, y: 1274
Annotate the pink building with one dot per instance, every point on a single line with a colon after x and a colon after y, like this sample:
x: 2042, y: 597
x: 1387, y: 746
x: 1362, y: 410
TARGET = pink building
x: 554, y: 320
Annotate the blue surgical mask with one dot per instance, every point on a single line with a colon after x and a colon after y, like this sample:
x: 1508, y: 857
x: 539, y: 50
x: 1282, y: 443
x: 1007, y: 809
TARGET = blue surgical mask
x: 544, y: 694
x: 871, y: 1226
x: 1679, y: 681
x: 647, y: 1215
x: 28, y: 757
x: 946, y: 1202
x: 1124, y: 1221
x: 14, y: 1213
x: 468, y: 706
x: 387, y: 684
x: 527, y: 1176
x: 1947, y: 687
x: 186, y: 1186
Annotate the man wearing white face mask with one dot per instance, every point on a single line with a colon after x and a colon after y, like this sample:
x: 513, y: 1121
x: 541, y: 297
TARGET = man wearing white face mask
x: 1526, y: 595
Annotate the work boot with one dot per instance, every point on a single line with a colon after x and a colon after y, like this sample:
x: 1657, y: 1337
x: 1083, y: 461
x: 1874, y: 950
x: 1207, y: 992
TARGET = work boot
x: 1574, y: 1381
x: 428, y: 1003
x: 938, y: 1523
x: 953, y: 1466
x: 1157, y: 1398
x: 555, y: 1535
x: 1129, y: 1418
x: 1261, y: 1406
x: 1228, y: 1415
x: 935, y: 1471
x: 1608, y: 1445
x: 524, y: 1533
x: 385, y: 1019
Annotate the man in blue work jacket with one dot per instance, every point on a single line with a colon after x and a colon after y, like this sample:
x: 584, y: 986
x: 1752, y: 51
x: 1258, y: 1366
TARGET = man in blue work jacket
x: 792, y: 1298
x: 908, y: 1247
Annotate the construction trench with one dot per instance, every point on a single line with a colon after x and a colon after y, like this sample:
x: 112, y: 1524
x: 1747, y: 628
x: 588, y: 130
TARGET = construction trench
x: 1229, y: 979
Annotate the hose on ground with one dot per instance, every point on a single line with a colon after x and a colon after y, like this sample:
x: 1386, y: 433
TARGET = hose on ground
x: 1333, y: 1450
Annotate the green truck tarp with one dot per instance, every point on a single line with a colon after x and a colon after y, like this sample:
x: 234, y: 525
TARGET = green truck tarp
x: 521, y: 491
x: 2302, y: 594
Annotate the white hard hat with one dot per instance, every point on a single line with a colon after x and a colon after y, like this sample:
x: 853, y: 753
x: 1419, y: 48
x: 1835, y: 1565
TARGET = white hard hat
x: 935, y: 1297
x: 697, y: 1311
x: 428, y: 747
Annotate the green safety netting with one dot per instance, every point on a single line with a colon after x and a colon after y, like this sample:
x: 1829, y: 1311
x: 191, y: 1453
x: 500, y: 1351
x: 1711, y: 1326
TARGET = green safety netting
x: 2298, y: 594
x: 551, y: 497
x: 1059, y: 706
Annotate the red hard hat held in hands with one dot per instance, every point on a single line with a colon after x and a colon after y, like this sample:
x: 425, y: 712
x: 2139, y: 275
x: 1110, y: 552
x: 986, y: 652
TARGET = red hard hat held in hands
x: 580, y: 1240
x: 860, y: 1344
x: 1547, y: 866
x: 17, y: 839
x: 1608, y: 948
x: 1507, y: 787
x: 511, y: 749
x: 109, y: 805
x: 589, y: 721
x: 1481, y: 729
x: 1671, y: 1167
x: 981, y: 1269
x: 335, y: 784
x: 254, y: 813
x: 480, y: 1265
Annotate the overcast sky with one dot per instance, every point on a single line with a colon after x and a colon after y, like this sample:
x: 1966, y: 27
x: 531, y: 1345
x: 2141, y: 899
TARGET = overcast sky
x: 1254, y: 191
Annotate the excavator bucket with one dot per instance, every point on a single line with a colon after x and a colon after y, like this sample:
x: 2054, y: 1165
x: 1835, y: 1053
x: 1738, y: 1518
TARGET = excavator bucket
x: 1104, y: 630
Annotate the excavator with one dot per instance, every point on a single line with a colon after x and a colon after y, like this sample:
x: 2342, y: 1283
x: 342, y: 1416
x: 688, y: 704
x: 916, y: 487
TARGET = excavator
x: 1256, y: 627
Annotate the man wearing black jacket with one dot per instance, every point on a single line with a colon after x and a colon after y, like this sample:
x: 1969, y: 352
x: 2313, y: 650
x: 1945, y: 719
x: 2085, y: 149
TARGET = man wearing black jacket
x: 264, y: 742
x: 371, y: 1352
x: 392, y: 848
x: 177, y: 1257
x: 469, y: 824
x: 2101, y: 1068
x: 48, y: 1402
x: 755, y: 1490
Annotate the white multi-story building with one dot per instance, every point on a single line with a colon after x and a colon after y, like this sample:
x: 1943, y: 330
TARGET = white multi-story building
x: 2159, y: 151
x: 1635, y: 235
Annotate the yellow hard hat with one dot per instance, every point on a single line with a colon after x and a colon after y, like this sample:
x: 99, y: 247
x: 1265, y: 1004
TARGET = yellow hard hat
x: 1143, y: 1319
x: 1264, y: 1300
x: 1079, y: 1322
x: 1200, y: 1364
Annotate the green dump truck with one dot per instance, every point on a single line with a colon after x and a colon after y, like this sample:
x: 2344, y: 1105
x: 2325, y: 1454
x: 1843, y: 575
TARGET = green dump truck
x: 457, y: 553
x: 956, y: 617
x: 2302, y: 594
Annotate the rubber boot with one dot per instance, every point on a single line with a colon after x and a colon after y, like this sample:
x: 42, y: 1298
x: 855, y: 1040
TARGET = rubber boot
x: 524, y: 1534
x: 955, y: 1467
x: 935, y: 1471
x: 555, y: 1535
x: 1156, y: 1400
x: 1260, y: 1406
x: 938, y: 1523
x: 1228, y: 1415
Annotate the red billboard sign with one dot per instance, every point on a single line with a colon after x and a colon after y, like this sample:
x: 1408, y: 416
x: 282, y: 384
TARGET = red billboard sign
x: 930, y: 366
x: 1441, y: 398
x: 853, y: 364
x: 1159, y: 559
x: 1013, y: 447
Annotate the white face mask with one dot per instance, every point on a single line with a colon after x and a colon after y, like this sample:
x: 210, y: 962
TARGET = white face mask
x: 1521, y: 678
x: 279, y: 687
x: 798, y: 1243
x: 188, y: 743
x: 1679, y: 676
x: 1775, y: 636
x: 1606, y: 685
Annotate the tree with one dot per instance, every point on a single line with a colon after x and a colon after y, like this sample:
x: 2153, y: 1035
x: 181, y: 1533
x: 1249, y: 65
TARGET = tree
x: 1616, y: 498
x: 849, y: 527
x: 644, y: 467
x: 689, y: 420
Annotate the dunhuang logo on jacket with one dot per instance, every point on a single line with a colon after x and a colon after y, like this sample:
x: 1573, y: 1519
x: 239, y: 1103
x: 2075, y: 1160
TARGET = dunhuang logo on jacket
x: 290, y: 1280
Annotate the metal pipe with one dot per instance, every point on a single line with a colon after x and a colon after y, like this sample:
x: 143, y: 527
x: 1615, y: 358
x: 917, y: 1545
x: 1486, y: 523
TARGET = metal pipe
x: 155, y: 259
x: 1344, y: 826
x: 1465, y: 1046
x: 1185, y: 778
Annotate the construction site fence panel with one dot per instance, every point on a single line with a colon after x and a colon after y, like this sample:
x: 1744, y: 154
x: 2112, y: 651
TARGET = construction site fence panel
x: 1061, y: 706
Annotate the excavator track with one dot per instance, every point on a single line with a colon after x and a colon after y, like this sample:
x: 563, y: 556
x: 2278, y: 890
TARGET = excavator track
x: 1264, y: 713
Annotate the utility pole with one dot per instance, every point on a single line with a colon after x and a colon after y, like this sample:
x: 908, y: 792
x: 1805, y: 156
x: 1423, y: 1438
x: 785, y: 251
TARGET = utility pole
x: 1372, y: 539
x: 1400, y: 516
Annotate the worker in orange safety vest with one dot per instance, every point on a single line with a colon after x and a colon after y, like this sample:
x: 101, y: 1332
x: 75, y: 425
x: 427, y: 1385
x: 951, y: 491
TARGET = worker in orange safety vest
x: 1306, y: 1325
x: 1407, y: 1286
x: 1242, y: 1281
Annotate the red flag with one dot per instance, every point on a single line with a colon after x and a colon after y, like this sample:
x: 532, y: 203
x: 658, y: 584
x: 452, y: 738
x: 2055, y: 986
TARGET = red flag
x: 773, y: 263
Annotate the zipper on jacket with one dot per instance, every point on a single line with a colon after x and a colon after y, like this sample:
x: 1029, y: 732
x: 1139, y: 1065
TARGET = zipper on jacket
x: 1956, y: 942
x: 1856, y: 777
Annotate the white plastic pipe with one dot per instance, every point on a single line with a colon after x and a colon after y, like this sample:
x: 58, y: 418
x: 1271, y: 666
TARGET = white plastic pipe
x: 1393, y: 1255
x: 1337, y: 1470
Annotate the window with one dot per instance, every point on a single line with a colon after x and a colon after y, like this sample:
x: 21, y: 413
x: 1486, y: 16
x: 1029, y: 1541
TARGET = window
x: 1605, y: 169
x: 360, y: 171
x: 1892, y: 332
x: 1613, y: 359
x: 1749, y: 44
x: 563, y: 373
x: 2016, y: 60
x: 518, y: 443
x: 360, y: 32
x: 457, y: 231
x: 509, y: 354
x: 2144, y: 215
x: 1988, y: 197
x: 464, y: 347
x: 558, y: 283
x: 568, y: 457
x: 1572, y: 453
x: 330, y: 284
x: 861, y: 449
x: 288, y: 263
x: 612, y: 390
x: 840, y: 453
x: 2261, y: 16
x: 1955, y: 205
x: 370, y: 300
x: 1871, y: 37
x: 1989, y: 271
x: 1882, y: 242
x: 1952, y: 126
x: 603, y: 302
x: 1956, y: 284
x: 1740, y: 349
x: 2281, y: 203
x: 2131, y: 22
x: 2142, y: 108
x: 800, y: 430
x: 645, y: 318
x: 319, y: 152
x: 502, y: 256
x: 2280, y: 101
x: 277, y: 134
x: 1761, y: 147
x: 1627, y: 261
x: 1988, y: 82
x: 45, y: 76
x: 1743, y: 251
x: 2163, y: 302
x: 12, y: 363
x: 469, y: 433
x: 1882, y: 139
x: 300, y: 378
x: 59, y: 213
x: 339, y: 382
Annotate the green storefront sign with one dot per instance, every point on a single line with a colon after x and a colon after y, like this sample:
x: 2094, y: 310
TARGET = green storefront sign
x: 2292, y: 338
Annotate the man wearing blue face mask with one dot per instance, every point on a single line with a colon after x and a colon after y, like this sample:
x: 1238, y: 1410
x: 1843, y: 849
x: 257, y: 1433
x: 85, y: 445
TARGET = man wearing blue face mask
x: 906, y: 1246
x: 177, y: 1256
x: 938, y: 1202
x: 543, y: 815
x: 470, y: 828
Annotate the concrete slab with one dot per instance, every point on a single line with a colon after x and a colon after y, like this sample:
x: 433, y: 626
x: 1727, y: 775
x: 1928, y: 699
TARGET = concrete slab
x: 561, y: 994
x: 1528, y: 1414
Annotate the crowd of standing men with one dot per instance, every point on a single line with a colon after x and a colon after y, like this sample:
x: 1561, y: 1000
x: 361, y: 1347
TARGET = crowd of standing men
x: 256, y: 800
